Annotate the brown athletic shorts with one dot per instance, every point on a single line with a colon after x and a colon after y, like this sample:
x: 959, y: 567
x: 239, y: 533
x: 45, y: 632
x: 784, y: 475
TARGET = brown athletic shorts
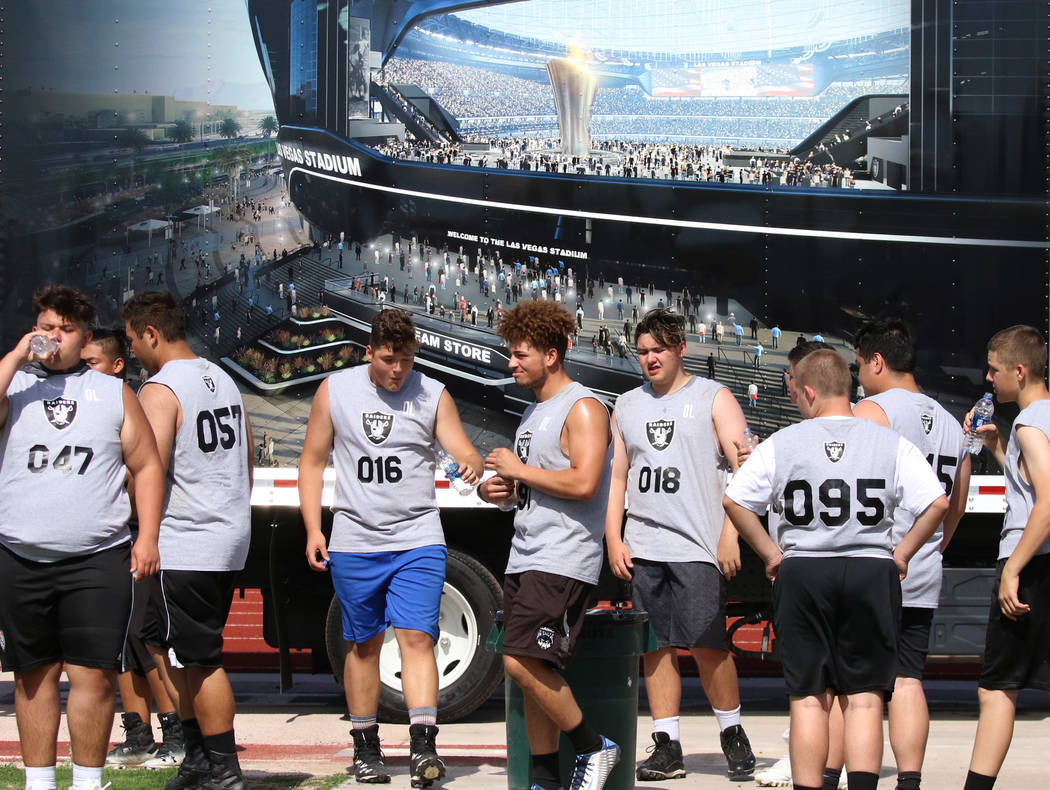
x: 543, y: 615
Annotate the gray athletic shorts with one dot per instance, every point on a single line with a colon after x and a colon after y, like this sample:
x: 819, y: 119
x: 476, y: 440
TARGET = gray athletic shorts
x: 686, y: 602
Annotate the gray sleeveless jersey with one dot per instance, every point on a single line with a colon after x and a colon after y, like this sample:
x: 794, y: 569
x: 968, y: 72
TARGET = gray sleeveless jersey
x: 835, y: 488
x: 1020, y: 495
x: 206, y: 523
x: 62, y: 466
x: 562, y: 536
x: 939, y: 437
x: 384, y: 463
x: 677, y: 475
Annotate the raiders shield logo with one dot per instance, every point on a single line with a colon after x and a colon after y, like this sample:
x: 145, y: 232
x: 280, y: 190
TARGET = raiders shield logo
x: 834, y: 451
x: 208, y: 383
x: 377, y: 426
x: 521, y: 446
x: 659, y: 433
x: 927, y: 423
x: 60, y: 412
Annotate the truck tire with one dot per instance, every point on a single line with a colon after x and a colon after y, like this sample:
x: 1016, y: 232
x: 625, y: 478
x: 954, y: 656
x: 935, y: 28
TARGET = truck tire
x: 468, y: 672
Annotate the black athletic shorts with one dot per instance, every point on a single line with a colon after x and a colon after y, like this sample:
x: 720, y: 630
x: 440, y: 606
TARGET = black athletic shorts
x: 74, y: 610
x: 543, y: 615
x: 837, y: 621
x: 914, y: 642
x: 686, y: 602
x: 1017, y: 653
x: 191, y: 611
x: 142, y: 624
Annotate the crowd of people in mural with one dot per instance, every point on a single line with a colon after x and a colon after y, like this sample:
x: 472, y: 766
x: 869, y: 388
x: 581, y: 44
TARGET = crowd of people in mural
x: 491, y: 103
x: 629, y: 159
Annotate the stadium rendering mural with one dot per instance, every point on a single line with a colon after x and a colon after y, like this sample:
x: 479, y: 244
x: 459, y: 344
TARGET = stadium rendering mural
x: 773, y: 170
x: 781, y: 161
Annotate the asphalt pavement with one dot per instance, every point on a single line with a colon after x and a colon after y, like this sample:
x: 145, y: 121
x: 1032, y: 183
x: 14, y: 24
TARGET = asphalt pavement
x: 304, y: 732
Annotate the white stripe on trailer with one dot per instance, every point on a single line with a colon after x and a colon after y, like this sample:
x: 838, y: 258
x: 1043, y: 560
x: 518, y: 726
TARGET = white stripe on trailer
x: 278, y: 487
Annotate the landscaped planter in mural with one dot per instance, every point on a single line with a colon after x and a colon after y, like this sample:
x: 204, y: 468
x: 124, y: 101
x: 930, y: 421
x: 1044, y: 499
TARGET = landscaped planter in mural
x: 301, y: 349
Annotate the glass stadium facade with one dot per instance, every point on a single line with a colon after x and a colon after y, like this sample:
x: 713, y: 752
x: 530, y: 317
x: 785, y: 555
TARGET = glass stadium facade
x: 302, y: 66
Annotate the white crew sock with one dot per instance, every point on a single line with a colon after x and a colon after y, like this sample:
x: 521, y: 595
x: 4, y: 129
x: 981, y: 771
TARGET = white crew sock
x: 668, y: 725
x: 727, y: 718
x: 86, y: 778
x: 40, y: 778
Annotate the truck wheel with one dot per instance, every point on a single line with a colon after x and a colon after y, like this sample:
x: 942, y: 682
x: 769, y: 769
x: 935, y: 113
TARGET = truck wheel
x: 468, y: 672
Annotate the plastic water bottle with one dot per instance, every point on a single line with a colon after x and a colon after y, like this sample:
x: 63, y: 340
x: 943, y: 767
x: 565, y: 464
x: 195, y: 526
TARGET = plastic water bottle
x: 448, y: 465
x: 43, y: 346
x: 750, y: 440
x: 982, y: 415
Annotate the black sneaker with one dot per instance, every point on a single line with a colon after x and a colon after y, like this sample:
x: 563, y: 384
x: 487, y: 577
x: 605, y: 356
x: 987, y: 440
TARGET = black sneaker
x: 369, y: 767
x: 224, y: 773
x: 737, y: 749
x: 424, y: 764
x: 193, y: 771
x: 665, y: 762
x: 138, y: 743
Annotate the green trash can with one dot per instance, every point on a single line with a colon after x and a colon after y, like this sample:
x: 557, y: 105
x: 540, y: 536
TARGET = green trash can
x: 604, y: 679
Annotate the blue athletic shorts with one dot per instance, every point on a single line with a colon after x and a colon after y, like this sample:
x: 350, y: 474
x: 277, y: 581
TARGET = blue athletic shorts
x: 389, y: 588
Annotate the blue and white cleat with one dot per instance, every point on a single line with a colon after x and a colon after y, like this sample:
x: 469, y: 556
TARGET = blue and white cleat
x: 593, y: 768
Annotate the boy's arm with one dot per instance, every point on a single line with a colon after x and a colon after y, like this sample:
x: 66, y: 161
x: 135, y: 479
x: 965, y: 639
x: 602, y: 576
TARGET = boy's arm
x: 922, y: 530
x: 1035, y: 452
x: 957, y: 501
x: 993, y: 439
x: 145, y: 468
x: 249, y: 441
x: 871, y: 411
x: 9, y: 365
x: 164, y: 413
x: 320, y: 436
x: 749, y: 526
x: 729, y: 426
x: 448, y: 430
x: 751, y: 490
x: 587, y: 437
x: 619, y: 554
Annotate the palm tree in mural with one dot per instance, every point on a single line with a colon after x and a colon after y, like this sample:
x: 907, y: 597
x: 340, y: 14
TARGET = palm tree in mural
x: 182, y: 132
x: 268, y: 125
x: 132, y: 138
x: 231, y: 161
x: 229, y: 128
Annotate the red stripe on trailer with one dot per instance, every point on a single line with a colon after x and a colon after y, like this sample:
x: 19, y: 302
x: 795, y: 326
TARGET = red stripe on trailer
x: 991, y: 490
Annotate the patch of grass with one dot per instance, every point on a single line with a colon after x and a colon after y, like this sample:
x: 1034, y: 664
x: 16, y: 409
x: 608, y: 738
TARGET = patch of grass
x: 13, y: 778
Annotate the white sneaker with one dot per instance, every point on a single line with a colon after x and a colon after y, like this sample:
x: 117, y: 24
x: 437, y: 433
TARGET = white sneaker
x: 777, y: 775
x: 164, y: 759
x: 593, y: 768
